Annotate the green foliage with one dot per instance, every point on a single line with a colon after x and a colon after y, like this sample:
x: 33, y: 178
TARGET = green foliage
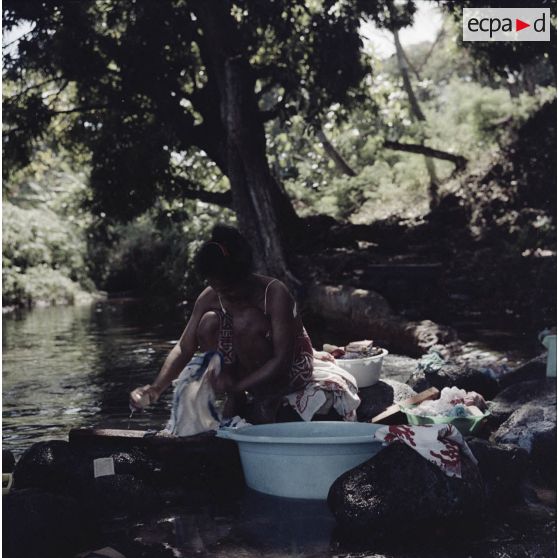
x: 43, y: 258
x: 153, y: 254
x: 472, y: 119
x: 136, y: 82
x: 463, y: 116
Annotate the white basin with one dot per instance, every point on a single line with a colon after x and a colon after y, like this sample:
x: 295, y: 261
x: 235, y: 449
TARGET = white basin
x: 301, y: 459
x: 366, y: 371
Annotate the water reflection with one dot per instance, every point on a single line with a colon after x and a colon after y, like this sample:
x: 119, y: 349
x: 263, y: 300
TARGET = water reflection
x: 65, y: 367
x: 257, y: 525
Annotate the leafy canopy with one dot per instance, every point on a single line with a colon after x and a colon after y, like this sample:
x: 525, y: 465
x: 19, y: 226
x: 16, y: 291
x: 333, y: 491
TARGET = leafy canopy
x: 130, y: 81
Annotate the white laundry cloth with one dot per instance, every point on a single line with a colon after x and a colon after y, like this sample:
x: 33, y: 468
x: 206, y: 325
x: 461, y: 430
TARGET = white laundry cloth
x: 328, y: 381
x: 193, y: 402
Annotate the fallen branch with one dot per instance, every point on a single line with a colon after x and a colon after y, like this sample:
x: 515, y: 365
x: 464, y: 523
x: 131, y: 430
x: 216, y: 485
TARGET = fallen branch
x: 458, y: 160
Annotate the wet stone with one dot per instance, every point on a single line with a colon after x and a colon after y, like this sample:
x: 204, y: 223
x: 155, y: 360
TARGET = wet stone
x: 398, y: 492
x: 46, y: 525
x: 503, y: 468
x: 514, y: 396
x: 450, y: 375
x: 533, y: 427
x: 398, y: 367
x: 534, y: 369
x: 125, y: 494
x: 8, y: 461
x: 375, y: 399
x: 52, y: 466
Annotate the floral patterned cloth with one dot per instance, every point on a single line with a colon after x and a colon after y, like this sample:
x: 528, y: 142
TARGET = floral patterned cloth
x: 330, y: 383
x: 441, y: 444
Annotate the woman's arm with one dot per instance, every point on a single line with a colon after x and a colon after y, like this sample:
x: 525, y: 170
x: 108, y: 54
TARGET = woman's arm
x: 283, y: 332
x: 180, y: 355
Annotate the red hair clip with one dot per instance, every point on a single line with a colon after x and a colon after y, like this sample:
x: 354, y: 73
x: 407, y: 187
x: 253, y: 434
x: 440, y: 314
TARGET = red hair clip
x: 224, y: 251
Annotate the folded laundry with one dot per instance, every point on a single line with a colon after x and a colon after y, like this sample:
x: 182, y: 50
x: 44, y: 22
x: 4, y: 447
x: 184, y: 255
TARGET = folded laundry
x: 453, y: 402
x: 441, y: 444
x: 329, y: 384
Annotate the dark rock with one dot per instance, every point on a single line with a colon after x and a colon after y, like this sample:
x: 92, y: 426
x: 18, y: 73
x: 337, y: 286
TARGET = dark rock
x: 57, y: 467
x: 138, y: 549
x: 345, y: 303
x: 534, y: 369
x: 398, y: 492
x: 124, y: 493
x: 533, y: 427
x: 398, y: 367
x: 367, y: 314
x: 135, y: 462
x: 503, y: 467
x: 8, y: 461
x: 449, y: 375
x: 427, y: 334
x: 202, y: 466
x: 516, y: 395
x: 38, y: 523
x: 51, y: 466
x: 376, y: 398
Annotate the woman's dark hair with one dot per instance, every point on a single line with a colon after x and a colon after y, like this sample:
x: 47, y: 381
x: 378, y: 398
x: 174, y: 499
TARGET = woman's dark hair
x: 227, y: 256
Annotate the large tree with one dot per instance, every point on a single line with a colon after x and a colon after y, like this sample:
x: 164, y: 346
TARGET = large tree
x: 136, y: 82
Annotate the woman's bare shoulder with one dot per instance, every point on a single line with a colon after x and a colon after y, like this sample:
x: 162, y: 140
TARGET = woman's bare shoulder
x: 272, y: 282
x: 207, y: 299
x: 277, y: 291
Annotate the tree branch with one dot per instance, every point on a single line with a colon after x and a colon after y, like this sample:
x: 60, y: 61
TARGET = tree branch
x: 60, y: 89
x: 333, y: 154
x: 17, y: 39
x: 192, y: 192
x: 34, y: 86
x: 79, y: 109
x: 458, y: 160
x: 431, y: 50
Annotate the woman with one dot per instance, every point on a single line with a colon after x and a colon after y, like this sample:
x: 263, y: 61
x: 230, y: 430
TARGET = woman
x: 253, y: 321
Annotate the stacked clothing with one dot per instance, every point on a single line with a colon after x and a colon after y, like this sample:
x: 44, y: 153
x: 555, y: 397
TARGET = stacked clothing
x: 453, y: 402
x: 330, y: 387
x: 354, y: 350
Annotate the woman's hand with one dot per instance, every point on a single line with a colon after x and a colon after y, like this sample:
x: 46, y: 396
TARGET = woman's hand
x: 144, y: 396
x: 222, y: 382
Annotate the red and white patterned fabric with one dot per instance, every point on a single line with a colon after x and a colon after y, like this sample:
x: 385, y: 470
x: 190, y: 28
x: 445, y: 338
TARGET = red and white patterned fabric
x: 328, y: 381
x: 441, y: 444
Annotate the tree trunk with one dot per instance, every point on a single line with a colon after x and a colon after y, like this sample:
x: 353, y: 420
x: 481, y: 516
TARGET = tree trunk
x: 334, y: 155
x: 263, y: 210
x: 418, y: 114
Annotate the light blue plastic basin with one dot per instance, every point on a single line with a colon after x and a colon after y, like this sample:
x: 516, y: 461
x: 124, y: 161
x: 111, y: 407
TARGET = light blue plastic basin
x: 301, y: 459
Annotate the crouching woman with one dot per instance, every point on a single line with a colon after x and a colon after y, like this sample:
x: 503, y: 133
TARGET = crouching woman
x: 253, y: 321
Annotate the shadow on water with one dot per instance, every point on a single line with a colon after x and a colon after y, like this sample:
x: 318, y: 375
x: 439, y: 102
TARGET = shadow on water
x: 254, y: 526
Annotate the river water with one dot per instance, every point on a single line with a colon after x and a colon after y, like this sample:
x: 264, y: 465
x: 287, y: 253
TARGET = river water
x: 67, y: 367
x: 72, y: 366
